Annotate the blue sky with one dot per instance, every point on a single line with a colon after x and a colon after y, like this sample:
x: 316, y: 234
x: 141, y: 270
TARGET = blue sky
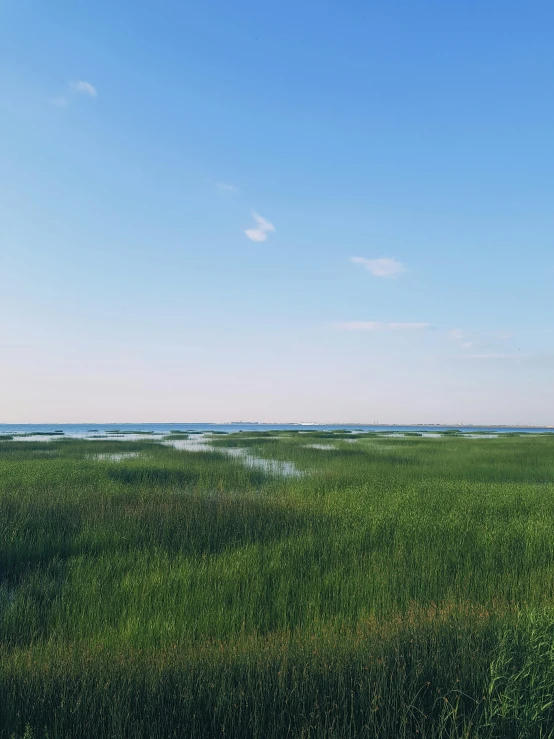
x: 277, y: 211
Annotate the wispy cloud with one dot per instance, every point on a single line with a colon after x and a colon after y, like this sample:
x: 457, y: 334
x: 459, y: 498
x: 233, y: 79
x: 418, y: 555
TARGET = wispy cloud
x: 380, y: 326
x: 492, y: 356
x: 486, y: 344
x: 264, y: 227
x: 461, y: 337
x: 456, y: 333
x: 226, y: 187
x: 84, y: 88
x: 59, y: 102
x: 383, y: 267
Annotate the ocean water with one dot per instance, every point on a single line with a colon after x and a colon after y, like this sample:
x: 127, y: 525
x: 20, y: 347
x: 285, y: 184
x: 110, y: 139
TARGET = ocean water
x: 94, y: 429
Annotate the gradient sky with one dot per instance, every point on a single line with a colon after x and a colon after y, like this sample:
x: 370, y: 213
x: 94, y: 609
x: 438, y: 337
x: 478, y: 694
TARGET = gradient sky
x: 277, y: 211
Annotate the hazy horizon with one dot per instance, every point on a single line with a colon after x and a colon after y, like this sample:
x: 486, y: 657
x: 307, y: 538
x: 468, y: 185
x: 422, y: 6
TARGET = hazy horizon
x: 253, y: 422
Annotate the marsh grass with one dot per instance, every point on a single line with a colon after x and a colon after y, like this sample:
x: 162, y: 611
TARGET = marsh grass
x: 41, y: 433
x: 138, y: 432
x: 399, y: 588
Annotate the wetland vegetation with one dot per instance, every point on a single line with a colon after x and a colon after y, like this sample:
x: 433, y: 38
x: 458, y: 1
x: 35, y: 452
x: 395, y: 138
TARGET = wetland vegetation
x: 398, y: 587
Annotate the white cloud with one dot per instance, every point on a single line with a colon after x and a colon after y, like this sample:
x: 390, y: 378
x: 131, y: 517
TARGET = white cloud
x: 456, y: 334
x: 461, y: 337
x: 408, y: 326
x: 226, y: 187
x: 85, y: 88
x: 264, y: 227
x: 379, y: 326
x: 493, y: 356
x: 383, y: 267
x: 59, y: 102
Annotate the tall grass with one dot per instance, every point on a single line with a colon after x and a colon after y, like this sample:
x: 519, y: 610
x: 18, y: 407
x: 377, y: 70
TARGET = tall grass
x: 399, y: 588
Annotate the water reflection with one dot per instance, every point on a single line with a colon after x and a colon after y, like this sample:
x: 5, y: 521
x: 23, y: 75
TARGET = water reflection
x: 200, y: 443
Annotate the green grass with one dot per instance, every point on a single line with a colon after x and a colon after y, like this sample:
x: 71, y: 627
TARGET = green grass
x: 135, y: 431
x: 399, y: 588
x: 41, y: 433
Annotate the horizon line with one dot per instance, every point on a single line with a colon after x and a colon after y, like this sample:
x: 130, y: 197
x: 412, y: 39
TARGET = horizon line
x: 269, y: 423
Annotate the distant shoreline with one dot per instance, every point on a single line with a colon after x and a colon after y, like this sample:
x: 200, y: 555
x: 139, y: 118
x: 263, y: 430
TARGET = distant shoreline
x: 234, y: 426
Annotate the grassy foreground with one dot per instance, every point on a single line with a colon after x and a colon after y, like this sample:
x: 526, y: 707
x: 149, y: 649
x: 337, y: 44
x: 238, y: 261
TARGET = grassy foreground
x: 397, y: 588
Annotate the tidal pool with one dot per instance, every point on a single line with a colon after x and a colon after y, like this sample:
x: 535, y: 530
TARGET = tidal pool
x: 273, y: 466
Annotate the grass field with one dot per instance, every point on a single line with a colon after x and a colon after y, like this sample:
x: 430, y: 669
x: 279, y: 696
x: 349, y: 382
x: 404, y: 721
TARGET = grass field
x: 393, y: 587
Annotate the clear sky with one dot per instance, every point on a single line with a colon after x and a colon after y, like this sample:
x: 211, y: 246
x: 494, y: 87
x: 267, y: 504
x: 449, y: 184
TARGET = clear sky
x: 277, y: 211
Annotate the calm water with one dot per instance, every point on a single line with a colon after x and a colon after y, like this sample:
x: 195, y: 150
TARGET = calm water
x: 91, y: 429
